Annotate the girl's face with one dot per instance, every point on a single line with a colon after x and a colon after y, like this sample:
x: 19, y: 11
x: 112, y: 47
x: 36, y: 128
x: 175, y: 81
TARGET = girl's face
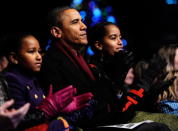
x: 112, y: 40
x: 176, y: 60
x: 129, y: 77
x: 30, y: 54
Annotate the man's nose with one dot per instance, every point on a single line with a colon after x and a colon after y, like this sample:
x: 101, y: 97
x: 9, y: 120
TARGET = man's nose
x: 83, y: 26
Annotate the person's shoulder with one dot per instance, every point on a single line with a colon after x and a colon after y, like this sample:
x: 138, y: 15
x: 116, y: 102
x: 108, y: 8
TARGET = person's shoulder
x: 14, y: 76
x: 95, y: 63
x: 53, y: 54
x: 9, y: 74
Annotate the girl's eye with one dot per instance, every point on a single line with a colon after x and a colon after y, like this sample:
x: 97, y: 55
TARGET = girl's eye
x: 40, y: 51
x: 31, y: 51
x: 112, y: 37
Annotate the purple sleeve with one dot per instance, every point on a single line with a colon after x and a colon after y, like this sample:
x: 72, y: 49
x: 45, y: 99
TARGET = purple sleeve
x: 17, y: 91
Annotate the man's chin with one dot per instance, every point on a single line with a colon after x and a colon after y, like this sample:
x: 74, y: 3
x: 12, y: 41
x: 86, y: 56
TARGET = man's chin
x: 83, y: 42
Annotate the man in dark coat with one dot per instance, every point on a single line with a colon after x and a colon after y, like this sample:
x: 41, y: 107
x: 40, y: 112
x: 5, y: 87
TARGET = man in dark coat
x: 63, y: 65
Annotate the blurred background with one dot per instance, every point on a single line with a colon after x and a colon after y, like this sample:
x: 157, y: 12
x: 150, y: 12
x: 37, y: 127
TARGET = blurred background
x: 145, y: 25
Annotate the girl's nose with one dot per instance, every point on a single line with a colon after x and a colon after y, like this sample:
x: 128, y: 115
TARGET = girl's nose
x: 120, y: 42
x: 39, y: 57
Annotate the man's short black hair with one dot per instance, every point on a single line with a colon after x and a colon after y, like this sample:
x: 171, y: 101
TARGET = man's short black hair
x: 54, y: 16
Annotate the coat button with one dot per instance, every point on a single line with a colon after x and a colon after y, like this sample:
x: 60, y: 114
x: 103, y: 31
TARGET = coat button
x: 44, y: 96
x: 36, y: 96
x: 28, y: 87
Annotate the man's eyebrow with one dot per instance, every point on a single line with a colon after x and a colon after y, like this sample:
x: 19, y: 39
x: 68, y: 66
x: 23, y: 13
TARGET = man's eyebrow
x: 75, y: 20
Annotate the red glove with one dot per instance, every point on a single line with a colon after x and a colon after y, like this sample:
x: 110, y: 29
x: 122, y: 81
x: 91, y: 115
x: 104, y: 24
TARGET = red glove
x: 64, y: 101
x: 78, y: 102
x: 54, y: 103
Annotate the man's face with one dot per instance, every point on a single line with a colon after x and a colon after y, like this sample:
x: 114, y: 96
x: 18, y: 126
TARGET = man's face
x: 73, y: 29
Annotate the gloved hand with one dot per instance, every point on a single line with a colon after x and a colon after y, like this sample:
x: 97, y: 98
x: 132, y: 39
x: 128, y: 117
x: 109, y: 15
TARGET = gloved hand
x: 125, y: 60
x: 63, y: 101
x: 144, y: 89
x: 161, y: 86
x: 149, y: 103
x: 145, y: 84
x: 78, y: 102
x: 133, y: 98
x: 155, y: 68
x: 136, y: 93
x: 119, y: 66
x: 158, y: 88
x: 126, y: 57
x: 154, y: 71
x: 54, y: 103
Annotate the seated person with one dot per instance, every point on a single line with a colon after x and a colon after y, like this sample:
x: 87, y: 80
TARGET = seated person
x: 25, y: 62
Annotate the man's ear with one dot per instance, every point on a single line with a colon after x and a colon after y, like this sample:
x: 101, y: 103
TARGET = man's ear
x: 56, y: 32
x: 13, y: 58
x: 98, y: 45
